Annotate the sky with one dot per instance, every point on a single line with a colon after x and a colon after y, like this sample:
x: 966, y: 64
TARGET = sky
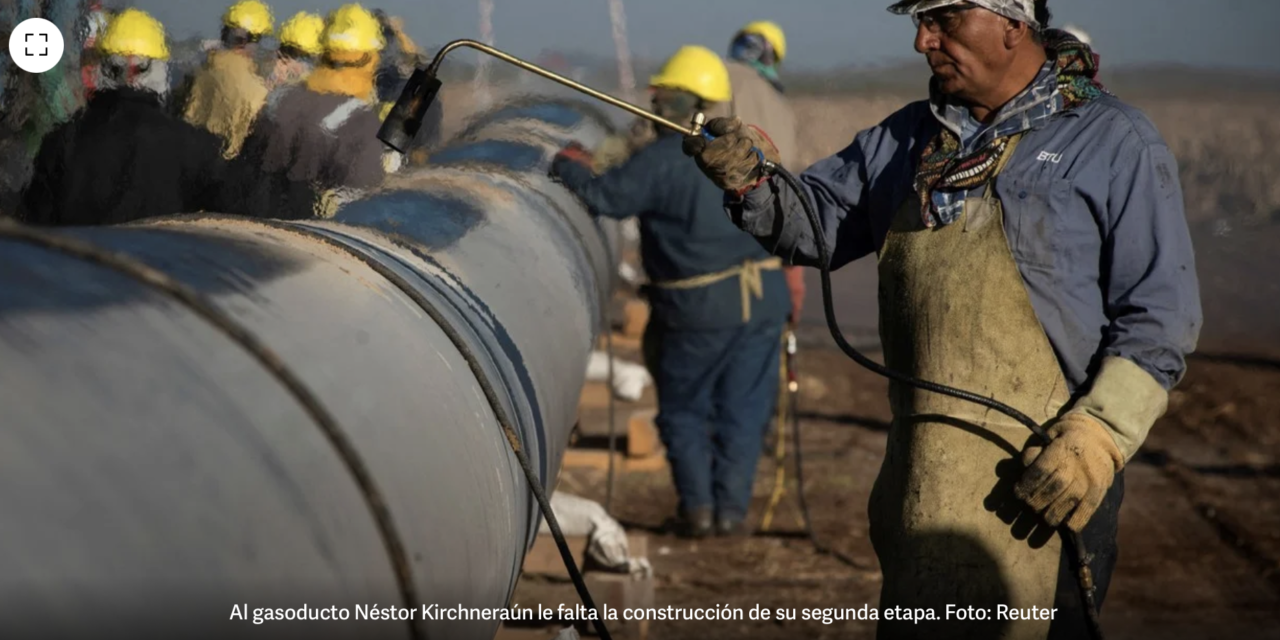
x: 820, y: 33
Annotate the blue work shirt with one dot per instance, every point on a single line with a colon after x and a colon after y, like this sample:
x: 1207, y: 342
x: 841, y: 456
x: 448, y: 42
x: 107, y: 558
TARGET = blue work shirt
x: 1093, y: 214
x: 683, y: 234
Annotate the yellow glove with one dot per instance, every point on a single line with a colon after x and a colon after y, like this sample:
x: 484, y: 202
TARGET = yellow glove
x: 730, y: 160
x: 1072, y: 475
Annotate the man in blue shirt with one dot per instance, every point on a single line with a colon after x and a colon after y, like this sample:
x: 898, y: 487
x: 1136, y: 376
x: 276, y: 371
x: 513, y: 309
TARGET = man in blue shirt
x: 1032, y: 247
x: 719, y: 303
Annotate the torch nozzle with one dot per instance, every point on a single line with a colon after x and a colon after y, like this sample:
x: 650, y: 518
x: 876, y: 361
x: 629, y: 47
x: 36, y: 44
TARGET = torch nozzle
x: 405, y: 118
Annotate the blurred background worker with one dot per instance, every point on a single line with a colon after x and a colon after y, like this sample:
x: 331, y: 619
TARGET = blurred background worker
x: 718, y: 302
x: 315, y: 144
x: 123, y: 157
x: 227, y: 92
x: 755, y: 57
x: 299, y: 49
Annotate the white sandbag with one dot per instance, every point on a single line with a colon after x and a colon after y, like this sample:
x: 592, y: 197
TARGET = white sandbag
x: 629, y: 379
x: 606, y: 539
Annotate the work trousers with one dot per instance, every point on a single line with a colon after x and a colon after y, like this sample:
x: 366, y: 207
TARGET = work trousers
x: 716, y: 392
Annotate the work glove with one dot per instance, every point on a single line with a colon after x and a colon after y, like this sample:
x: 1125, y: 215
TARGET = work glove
x: 1071, y: 476
x: 574, y: 153
x: 730, y: 160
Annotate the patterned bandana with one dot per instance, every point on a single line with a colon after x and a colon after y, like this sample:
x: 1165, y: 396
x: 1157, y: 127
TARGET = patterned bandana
x: 948, y: 170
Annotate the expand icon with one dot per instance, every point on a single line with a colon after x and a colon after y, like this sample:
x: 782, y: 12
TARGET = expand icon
x: 36, y: 45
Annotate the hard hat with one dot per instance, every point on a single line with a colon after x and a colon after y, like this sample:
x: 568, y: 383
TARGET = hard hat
x: 1079, y: 33
x: 250, y: 15
x: 699, y: 71
x: 772, y: 33
x: 352, y: 28
x: 302, y: 32
x: 134, y: 32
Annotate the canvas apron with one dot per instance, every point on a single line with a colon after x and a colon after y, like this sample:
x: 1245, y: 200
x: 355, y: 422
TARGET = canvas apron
x: 943, y: 519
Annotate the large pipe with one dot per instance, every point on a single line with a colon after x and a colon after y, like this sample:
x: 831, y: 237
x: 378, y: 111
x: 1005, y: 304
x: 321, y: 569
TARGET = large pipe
x: 200, y: 412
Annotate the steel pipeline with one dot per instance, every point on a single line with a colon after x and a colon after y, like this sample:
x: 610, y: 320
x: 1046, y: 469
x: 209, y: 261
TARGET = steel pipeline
x: 202, y: 412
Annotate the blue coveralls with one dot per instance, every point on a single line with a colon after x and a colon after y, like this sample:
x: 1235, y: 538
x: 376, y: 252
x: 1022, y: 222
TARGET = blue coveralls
x: 716, y: 375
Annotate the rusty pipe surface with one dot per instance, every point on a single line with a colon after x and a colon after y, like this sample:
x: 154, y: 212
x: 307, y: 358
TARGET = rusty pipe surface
x: 207, y: 412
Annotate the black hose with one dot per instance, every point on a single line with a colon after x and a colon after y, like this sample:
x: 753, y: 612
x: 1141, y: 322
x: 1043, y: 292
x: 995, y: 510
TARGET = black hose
x: 818, y: 545
x: 1084, y: 575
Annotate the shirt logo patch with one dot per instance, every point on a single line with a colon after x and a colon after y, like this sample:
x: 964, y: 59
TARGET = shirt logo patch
x: 1045, y: 156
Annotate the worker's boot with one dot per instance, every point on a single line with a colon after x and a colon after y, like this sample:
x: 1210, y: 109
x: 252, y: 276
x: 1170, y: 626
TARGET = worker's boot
x: 731, y: 527
x: 695, y: 523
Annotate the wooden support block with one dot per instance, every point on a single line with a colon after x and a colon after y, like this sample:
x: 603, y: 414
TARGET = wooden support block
x: 643, y: 440
x: 597, y: 459
x: 621, y: 591
x: 595, y: 395
x: 623, y: 343
x: 635, y: 317
x: 544, y: 558
x: 638, y: 545
x: 652, y: 464
x: 510, y: 633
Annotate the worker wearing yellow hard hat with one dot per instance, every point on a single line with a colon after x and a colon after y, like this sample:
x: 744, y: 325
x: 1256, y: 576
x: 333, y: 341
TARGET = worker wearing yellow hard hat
x: 693, y: 71
x: 134, y: 33
x: 718, y: 300
x: 124, y: 156
x: 227, y: 92
x: 756, y: 52
x: 300, y: 48
x: 317, y: 140
x: 696, y: 70
x: 251, y: 17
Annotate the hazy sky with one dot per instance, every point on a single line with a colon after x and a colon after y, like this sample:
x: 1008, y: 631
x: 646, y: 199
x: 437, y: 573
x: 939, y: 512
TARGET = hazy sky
x: 820, y: 32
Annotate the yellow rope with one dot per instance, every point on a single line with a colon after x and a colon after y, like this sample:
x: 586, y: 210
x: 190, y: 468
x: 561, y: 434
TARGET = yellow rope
x: 749, y: 274
x: 780, y: 449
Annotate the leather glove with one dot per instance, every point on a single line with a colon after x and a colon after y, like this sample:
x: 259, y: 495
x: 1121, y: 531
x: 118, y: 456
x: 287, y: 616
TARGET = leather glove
x: 574, y: 153
x: 730, y: 160
x: 1070, y: 476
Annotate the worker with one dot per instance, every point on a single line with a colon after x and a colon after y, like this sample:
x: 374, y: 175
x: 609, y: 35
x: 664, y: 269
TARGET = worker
x: 718, y: 303
x: 227, y: 92
x: 316, y: 142
x: 299, y: 49
x: 1033, y: 248
x: 123, y: 157
x: 755, y: 57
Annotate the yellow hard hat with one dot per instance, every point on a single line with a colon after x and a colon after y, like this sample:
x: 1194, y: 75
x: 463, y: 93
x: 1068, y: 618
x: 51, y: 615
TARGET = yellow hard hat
x: 134, y: 32
x: 699, y: 71
x: 352, y: 28
x: 250, y: 15
x: 302, y: 32
x: 770, y: 32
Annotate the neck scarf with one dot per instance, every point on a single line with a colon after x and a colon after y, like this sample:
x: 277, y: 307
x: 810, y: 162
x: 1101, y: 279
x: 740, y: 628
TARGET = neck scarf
x: 948, y: 170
